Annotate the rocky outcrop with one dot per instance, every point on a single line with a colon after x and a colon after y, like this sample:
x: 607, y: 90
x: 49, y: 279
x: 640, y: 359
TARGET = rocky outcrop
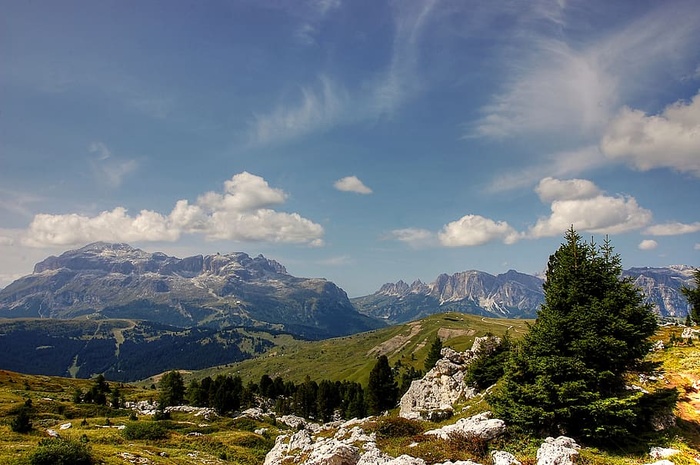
x: 432, y: 397
x: 482, y: 426
x: 348, y: 444
x: 559, y: 451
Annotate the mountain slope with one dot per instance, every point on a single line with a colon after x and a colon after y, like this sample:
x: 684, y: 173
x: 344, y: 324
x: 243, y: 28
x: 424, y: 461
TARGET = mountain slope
x: 351, y: 358
x: 122, y: 350
x: 511, y: 294
x: 105, y: 280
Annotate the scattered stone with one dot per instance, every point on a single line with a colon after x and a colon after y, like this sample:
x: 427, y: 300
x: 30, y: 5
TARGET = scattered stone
x: 481, y: 425
x: 261, y: 431
x: 559, y: 451
x: 52, y: 433
x: 661, y: 462
x: 503, y: 458
x: 131, y: 458
x: 662, y: 452
x: 66, y: 426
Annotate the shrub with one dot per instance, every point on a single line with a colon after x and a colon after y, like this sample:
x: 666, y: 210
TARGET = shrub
x: 473, y: 444
x: 22, y: 423
x: 395, y: 427
x: 61, y: 452
x: 145, y: 430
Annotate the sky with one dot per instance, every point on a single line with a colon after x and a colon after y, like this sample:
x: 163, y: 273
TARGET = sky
x: 360, y: 141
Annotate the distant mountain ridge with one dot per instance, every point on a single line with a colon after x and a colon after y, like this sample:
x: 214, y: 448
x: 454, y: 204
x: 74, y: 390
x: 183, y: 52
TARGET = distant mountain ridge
x: 511, y: 294
x: 103, y: 280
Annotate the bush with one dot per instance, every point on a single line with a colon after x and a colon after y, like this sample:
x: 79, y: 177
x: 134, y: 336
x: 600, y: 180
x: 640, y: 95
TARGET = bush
x: 145, y: 430
x: 395, y: 427
x: 61, y: 452
x: 473, y: 444
x: 22, y: 422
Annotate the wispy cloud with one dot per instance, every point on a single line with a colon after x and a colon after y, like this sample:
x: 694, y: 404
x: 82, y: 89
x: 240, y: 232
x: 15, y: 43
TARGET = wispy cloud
x: 241, y: 213
x: 107, y: 168
x: 673, y: 229
x: 329, y: 103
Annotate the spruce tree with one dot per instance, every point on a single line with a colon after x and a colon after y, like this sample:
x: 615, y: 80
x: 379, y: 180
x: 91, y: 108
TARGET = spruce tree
x: 172, y: 389
x: 693, y: 296
x: 382, y: 391
x: 567, y: 376
x: 434, y: 354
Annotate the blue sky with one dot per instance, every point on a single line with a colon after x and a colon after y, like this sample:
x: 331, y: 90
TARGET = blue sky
x: 361, y: 141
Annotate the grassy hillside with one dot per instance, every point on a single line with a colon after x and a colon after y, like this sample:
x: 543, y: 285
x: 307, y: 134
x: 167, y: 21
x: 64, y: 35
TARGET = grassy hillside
x: 188, y: 439
x: 351, y: 358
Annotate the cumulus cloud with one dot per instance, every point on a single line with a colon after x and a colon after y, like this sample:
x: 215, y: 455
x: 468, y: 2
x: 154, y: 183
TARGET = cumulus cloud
x: 648, y: 244
x: 6, y: 240
x: 673, y: 229
x: 550, y: 189
x: 352, y: 184
x: 471, y: 230
x: 588, y: 210
x: 241, y: 213
x: 670, y: 139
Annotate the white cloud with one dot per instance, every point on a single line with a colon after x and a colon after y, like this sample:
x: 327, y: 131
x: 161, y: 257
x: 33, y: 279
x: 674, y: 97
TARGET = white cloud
x: 590, y: 211
x: 107, y: 168
x: 471, y: 230
x: 6, y: 240
x: 352, y: 184
x: 415, y: 237
x: 673, y: 229
x: 550, y: 189
x: 697, y: 246
x: 668, y: 140
x: 239, y: 214
x: 648, y: 244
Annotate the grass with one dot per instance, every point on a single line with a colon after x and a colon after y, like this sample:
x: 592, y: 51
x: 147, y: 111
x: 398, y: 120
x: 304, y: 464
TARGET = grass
x: 351, y: 358
x: 226, y: 440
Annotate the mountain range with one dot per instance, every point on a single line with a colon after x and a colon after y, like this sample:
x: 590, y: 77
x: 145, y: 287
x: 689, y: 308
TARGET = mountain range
x: 104, y: 280
x: 509, y: 295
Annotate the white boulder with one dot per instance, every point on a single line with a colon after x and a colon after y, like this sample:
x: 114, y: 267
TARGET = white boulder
x: 559, y: 451
x: 481, y: 425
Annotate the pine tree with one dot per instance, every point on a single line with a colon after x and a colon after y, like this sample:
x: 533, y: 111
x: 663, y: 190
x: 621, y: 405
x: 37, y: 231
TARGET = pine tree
x: 434, y: 354
x: 693, y: 296
x: 568, y: 374
x: 172, y: 389
x: 382, y: 390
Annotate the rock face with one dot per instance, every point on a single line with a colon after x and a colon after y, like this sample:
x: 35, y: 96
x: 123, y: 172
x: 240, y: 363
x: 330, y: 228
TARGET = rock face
x: 511, y: 294
x: 432, y: 397
x: 119, y: 281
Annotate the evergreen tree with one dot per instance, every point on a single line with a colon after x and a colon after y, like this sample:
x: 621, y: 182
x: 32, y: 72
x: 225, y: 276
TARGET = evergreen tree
x: 693, y: 296
x: 172, y: 389
x: 434, y: 354
x: 22, y: 423
x: 382, y: 391
x: 568, y: 374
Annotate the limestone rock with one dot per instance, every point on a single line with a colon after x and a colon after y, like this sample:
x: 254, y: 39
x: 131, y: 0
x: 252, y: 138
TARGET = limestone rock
x: 559, y: 451
x: 434, y: 395
x: 500, y: 457
x: 662, y: 452
x: 481, y: 425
